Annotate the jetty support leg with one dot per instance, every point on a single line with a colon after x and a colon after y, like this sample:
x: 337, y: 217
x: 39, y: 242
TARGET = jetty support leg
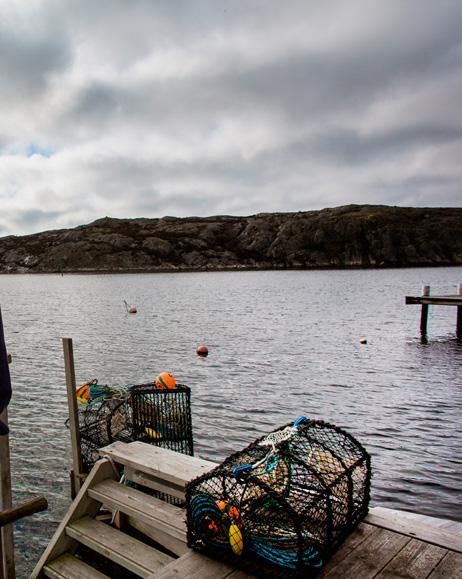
x: 459, y: 315
x: 424, y: 314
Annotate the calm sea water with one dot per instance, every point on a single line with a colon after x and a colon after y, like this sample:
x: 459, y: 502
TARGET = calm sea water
x: 281, y: 344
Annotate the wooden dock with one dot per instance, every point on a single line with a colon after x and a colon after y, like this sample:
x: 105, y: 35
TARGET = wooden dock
x: 386, y: 544
x: 426, y: 300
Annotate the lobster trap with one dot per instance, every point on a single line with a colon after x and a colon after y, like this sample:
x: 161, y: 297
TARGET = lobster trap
x: 101, y: 422
x: 163, y: 417
x: 135, y: 413
x: 281, y: 506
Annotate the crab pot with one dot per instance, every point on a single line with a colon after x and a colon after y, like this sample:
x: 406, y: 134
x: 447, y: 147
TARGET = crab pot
x: 163, y: 417
x: 281, y: 506
x: 101, y: 423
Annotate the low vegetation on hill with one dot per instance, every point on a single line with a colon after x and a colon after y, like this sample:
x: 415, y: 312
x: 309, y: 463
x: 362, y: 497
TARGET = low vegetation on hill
x: 341, y: 237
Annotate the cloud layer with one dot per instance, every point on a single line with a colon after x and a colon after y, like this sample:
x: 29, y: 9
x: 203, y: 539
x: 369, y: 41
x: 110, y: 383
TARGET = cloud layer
x: 179, y: 107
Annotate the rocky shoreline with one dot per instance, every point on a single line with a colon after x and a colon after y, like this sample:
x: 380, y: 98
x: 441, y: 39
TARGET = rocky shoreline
x: 353, y: 236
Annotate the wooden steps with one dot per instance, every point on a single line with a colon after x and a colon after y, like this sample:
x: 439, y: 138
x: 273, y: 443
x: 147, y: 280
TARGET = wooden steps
x: 81, y: 528
x: 166, y: 520
x: 69, y: 567
x: 117, y: 546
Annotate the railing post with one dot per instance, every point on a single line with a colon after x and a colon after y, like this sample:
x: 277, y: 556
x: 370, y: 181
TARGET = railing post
x: 77, y: 470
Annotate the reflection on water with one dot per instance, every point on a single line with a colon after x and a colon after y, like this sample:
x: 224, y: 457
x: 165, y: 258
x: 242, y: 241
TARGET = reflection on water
x: 281, y: 344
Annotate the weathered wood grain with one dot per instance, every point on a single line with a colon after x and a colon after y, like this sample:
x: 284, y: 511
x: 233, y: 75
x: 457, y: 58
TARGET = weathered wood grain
x: 117, y: 546
x: 414, y: 527
x: 449, y: 568
x: 415, y: 561
x: 370, y: 557
x: 167, y: 465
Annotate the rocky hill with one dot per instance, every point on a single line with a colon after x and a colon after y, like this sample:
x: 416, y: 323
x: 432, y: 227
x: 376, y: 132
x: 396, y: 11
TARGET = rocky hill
x: 342, y: 237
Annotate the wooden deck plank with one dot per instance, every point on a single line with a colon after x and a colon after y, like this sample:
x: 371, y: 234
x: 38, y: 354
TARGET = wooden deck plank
x: 370, y: 557
x: 415, y: 561
x: 449, y: 300
x: 394, y: 521
x: 118, y: 546
x: 446, y: 524
x: 196, y: 566
x: 360, y: 534
x: 449, y: 568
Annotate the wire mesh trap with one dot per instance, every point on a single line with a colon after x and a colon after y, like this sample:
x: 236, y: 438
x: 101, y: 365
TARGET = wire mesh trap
x: 104, y: 416
x: 163, y: 417
x: 140, y: 412
x: 282, y: 505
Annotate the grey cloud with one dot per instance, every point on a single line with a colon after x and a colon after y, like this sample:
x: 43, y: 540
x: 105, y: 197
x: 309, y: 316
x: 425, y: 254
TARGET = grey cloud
x: 32, y: 219
x: 352, y: 148
x: 280, y: 109
x: 26, y: 63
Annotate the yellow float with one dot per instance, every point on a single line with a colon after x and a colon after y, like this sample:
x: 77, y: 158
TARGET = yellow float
x: 235, y: 539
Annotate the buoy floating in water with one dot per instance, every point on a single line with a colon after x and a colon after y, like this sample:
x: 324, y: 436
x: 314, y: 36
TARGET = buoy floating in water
x: 202, y: 351
x: 130, y: 309
x: 363, y: 340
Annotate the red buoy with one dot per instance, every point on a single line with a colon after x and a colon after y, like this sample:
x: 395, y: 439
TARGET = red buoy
x: 202, y: 351
x: 130, y: 309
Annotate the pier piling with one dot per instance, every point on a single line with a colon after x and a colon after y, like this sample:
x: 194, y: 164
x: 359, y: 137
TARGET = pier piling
x: 459, y: 314
x: 424, y: 313
x: 425, y: 300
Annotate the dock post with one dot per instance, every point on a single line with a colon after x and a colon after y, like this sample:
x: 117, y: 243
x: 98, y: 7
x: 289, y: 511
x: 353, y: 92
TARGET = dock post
x: 424, y: 314
x: 77, y: 470
x: 459, y: 314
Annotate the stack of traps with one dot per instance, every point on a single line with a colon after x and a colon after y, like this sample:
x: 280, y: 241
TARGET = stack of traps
x: 281, y: 506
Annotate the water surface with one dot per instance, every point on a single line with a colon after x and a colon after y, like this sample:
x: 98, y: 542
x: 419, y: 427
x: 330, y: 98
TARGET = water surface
x: 281, y: 344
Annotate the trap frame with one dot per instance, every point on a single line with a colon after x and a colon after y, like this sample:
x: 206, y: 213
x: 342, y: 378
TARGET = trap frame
x: 282, y: 505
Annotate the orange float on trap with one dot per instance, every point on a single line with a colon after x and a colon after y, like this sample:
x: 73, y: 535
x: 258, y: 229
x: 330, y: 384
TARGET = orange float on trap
x: 165, y: 381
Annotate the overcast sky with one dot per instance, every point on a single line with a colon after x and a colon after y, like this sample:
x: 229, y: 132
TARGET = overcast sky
x: 146, y: 108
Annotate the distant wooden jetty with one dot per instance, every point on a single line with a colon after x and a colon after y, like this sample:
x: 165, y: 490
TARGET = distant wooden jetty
x: 386, y: 544
x: 426, y: 300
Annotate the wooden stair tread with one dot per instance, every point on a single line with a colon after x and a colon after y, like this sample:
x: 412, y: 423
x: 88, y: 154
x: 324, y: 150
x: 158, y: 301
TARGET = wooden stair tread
x: 172, y: 467
x: 168, y: 518
x: 69, y: 567
x: 115, y: 545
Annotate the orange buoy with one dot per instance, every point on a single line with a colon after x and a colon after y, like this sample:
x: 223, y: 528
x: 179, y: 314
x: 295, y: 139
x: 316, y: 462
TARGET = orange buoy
x: 165, y: 381
x: 202, y: 351
x: 228, y: 509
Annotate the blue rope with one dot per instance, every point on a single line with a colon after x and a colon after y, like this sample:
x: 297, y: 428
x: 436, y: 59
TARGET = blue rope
x: 284, y: 555
x: 202, y: 506
x: 281, y: 551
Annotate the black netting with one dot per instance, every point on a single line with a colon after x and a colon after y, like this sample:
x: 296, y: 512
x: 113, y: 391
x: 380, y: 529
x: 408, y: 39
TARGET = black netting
x: 142, y: 412
x: 101, y: 422
x: 163, y: 417
x: 282, y: 505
